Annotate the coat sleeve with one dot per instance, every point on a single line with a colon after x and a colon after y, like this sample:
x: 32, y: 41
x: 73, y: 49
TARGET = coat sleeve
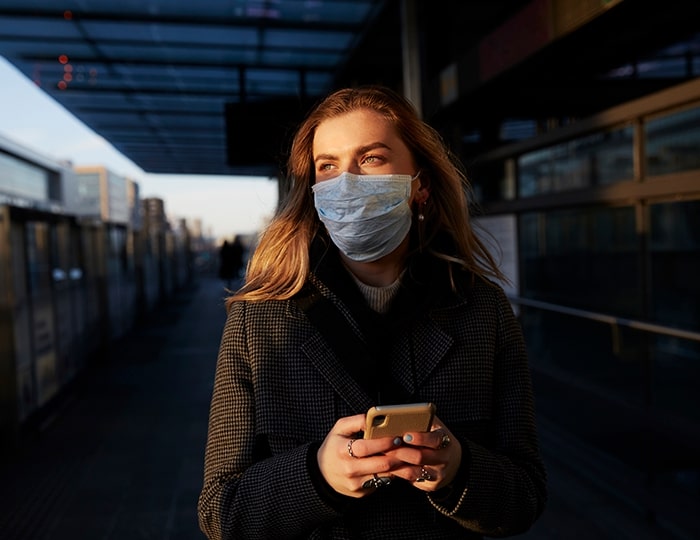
x: 247, y: 493
x: 503, y: 491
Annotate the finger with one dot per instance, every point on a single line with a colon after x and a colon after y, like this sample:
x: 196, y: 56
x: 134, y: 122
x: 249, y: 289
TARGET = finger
x: 438, y: 439
x: 420, y: 438
x: 423, y: 477
x: 371, y: 447
x: 376, y: 482
x: 443, y: 436
x: 349, y: 425
x: 412, y: 455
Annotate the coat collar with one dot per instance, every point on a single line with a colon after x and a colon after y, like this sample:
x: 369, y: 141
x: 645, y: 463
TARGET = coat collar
x: 353, y: 367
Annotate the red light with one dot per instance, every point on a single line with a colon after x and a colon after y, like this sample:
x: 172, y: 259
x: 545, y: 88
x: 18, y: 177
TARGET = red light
x: 62, y: 85
x: 67, y: 77
x: 63, y: 59
x: 68, y: 15
x: 68, y: 68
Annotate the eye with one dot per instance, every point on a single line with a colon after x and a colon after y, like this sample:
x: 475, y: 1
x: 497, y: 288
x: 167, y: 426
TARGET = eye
x: 325, y: 167
x: 372, y: 159
x: 324, y: 171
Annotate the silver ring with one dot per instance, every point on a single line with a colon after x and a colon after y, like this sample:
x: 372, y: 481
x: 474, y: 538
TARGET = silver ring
x: 350, y: 452
x: 424, y: 475
x: 377, y: 482
x: 445, y: 441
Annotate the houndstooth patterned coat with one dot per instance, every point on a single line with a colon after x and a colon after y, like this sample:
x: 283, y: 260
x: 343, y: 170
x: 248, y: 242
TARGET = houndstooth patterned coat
x: 280, y: 386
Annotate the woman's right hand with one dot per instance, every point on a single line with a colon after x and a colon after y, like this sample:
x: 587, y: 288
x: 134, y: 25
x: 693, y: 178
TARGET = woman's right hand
x: 348, y: 463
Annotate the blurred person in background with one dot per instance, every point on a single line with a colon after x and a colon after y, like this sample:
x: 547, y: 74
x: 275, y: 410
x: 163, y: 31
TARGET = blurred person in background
x: 230, y: 261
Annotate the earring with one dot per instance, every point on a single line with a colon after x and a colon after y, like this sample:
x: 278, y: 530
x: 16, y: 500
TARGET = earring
x: 421, y: 225
x: 421, y: 216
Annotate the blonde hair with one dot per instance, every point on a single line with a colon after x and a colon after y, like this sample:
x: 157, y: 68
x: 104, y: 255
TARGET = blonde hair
x: 279, y: 266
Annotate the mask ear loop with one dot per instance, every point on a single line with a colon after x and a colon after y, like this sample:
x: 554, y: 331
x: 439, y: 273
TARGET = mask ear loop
x: 420, y: 217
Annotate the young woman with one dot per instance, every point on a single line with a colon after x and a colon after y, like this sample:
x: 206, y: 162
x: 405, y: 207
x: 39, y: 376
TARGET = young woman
x: 370, y: 287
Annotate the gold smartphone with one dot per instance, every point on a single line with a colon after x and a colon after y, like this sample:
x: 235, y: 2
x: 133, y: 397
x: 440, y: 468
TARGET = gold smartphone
x: 395, y: 420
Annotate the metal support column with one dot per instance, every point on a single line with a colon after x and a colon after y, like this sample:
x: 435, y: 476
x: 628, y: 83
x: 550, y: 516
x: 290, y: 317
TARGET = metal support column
x: 412, y: 77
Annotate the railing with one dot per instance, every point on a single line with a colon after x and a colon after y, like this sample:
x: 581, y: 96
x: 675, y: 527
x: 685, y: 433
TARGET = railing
x: 609, y: 319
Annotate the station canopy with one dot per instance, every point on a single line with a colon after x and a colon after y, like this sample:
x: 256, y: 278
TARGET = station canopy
x: 218, y: 86
x: 192, y: 87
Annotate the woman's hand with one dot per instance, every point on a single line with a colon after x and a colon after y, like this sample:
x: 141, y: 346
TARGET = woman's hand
x: 355, y: 467
x: 429, y: 460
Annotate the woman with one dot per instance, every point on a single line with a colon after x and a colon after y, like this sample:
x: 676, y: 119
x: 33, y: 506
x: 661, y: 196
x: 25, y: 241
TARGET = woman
x: 370, y: 287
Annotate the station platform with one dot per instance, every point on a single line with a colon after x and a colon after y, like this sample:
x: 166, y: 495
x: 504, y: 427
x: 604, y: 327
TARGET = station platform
x: 122, y: 457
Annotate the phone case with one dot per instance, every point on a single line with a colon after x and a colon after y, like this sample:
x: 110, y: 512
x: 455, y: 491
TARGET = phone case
x: 395, y: 420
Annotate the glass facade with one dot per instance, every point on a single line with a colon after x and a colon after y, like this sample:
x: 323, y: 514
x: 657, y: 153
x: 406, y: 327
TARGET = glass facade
x: 609, y: 294
x: 89, y: 194
x: 38, y: 266
x: 21, y: 179
x: 672, y: 142
x: 586, y: 258
x: 599, y: 159
x: 675, y: 263
x: 676, y: 372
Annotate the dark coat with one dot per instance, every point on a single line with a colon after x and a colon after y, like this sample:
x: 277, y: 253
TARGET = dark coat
x: 280, y: 387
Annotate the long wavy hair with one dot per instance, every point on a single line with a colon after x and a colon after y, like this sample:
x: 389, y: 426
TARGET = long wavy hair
x: 280, y: 264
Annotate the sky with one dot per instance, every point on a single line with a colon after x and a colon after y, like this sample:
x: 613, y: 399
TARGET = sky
x: 226, y: 205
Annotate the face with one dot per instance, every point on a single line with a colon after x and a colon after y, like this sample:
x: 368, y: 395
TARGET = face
x: 361, y: 142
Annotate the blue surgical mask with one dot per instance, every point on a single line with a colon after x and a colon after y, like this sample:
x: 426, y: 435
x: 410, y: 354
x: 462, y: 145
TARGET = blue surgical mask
x: 367, y: 216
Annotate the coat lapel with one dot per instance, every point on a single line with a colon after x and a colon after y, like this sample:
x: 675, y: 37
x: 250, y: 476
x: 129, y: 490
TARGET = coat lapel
x: 427, y: 347
x: 337, y: 349
x: 332, y: 369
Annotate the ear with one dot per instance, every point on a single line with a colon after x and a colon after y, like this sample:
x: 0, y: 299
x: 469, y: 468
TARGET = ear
x: 422, y: 194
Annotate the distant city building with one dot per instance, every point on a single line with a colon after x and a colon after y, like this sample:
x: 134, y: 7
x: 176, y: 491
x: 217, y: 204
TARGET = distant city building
x: 29, y: 179
x: 197, y: 228
x: 133, y: 199
x: 154, y: 216
x: 99, y: 193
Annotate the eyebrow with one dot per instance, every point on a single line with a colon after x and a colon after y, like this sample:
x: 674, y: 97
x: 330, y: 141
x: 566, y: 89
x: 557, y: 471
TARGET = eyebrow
x: 361, y: 150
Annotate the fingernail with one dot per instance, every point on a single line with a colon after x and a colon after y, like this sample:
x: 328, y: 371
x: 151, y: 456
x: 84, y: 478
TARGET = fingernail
x: 408, y: 437
x: 397, y: 441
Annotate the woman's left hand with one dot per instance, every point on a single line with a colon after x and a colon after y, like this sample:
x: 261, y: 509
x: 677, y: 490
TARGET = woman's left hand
x: 431, y: 459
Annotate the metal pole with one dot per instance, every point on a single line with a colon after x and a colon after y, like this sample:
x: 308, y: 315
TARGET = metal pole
x: 411, y: 54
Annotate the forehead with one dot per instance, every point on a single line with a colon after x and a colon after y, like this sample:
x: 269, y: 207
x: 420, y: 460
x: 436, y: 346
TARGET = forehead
x: 354, y: 130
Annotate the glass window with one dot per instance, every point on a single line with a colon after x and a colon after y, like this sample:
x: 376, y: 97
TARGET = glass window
x: 38, y: 266
x: 608, y: 358
x: 598, y: 159
x: 89, y: 201
x: 675, y: 264
x: 578, y: 361
x: 493, y: 180
x: 663, y: 67
x: 585, y: 258
x: 117, y: 199
x: 673, y: 142
x: 21, y: 179
x: 676, y: 372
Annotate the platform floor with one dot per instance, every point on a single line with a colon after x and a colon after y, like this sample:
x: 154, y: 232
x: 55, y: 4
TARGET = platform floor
x: 122, y: 457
